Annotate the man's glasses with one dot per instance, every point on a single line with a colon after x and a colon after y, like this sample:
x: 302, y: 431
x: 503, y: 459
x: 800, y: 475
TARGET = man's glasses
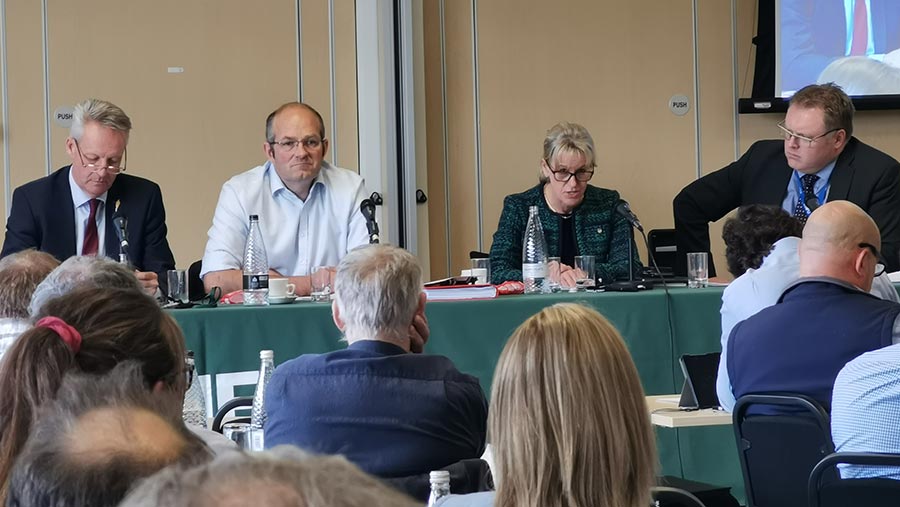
x: 788, y: 134
x: 563, y: 176
x: 879, y: 266
x: 288, y: 145
x: 95, y: 167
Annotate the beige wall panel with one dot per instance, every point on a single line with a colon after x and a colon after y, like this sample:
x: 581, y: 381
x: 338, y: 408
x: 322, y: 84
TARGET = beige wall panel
x: 315, y: 70
x: 423, y: 244
x: 461, y: 134
x: 345, y: 84
x: 26, y: 102
x: 433, y: 137
x: 532, y: 77
x: 192, y: 130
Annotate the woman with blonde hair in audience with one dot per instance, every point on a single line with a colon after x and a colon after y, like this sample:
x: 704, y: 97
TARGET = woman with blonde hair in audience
x: 568, y: 422
x: 89, y: 331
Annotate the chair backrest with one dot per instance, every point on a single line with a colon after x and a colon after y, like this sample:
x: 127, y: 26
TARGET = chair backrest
x: 232, y: 404
x: 665, y: 496
x: 661, y: 242
x: 780, y: 438
x: 195, y: 283
x: 851, y: 492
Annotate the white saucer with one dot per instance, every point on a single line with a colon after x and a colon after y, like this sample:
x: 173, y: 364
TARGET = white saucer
x: 285, y: 300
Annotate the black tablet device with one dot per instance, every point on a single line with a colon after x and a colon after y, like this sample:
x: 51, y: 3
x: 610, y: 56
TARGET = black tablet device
x: 699, y: 390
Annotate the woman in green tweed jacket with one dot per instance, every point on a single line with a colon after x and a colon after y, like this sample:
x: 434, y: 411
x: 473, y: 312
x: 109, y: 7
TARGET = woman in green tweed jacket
x: 578, y: 219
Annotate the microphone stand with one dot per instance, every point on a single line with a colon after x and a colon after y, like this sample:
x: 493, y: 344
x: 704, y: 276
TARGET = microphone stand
x: 631, y: 285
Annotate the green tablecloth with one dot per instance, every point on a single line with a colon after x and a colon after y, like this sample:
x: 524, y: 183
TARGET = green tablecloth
x: 472, y: 334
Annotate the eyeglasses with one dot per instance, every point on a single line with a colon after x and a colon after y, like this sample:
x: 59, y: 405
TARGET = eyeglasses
x: 563, y: 176
x: 788, y: 134
x: 879, y: 266
x: 288, y: 145
x: 95, y: 167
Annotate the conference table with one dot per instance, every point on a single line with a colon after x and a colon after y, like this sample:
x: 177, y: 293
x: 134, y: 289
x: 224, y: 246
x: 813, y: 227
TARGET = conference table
x: 658, y: 328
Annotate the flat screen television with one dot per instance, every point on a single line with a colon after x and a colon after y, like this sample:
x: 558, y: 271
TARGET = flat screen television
x: 854, y: 43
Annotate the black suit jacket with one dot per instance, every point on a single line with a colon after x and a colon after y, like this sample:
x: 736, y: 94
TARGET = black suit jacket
x: 862, y: 175
x: 43, y: 217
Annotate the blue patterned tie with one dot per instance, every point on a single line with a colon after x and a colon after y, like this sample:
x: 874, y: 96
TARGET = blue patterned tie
x: 809, y: 182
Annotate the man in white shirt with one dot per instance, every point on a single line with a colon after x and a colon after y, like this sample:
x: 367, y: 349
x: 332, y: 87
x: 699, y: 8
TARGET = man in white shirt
x: 20, y: 274
x: 308, y: 209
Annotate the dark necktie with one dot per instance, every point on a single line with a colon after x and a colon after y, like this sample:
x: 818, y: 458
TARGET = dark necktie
x: 91, y: 240
x: 860, y: 41
x: 809, y: 182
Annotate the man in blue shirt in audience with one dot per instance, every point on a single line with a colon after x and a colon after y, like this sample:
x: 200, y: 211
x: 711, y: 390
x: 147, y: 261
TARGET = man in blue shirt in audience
x: 824, y: 319
x: 387, y: 407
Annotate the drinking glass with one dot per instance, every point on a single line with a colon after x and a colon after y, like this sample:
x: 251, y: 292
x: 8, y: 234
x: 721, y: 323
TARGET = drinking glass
x: 553, y: 269
x: 177, y: 285
x: 698, y: 274
x: 585, y: 270
x: 320, y: 280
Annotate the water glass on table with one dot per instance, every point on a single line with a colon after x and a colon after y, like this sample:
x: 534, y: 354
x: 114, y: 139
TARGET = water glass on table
x: 698, y: 270
x: 585, y: 270
x: 320, y: 282
x: 177, y: 288
x: 553, y: 273
x: 481, y: 269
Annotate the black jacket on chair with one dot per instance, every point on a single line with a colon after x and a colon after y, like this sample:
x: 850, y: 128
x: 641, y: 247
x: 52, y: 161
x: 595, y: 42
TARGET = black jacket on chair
x: 862, y: 175
x: 43, y: 217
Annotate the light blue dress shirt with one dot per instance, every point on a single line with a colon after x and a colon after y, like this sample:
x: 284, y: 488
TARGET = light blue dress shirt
x: 298, y: 235
x: 864, y: 409
x: 82, y: 203
x: 821, y: 188
x: 482, y: 499
x: 760, y: 288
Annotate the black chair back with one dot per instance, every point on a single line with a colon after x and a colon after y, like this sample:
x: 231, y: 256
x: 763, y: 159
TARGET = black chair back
x: 233, y: 403
x: 826, y: 490
x: 665, y: 496
x: 661, y: 242
x: 195, y: 283
x: 778, y: 451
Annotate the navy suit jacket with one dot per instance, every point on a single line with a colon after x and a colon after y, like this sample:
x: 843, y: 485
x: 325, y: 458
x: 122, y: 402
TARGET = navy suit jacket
x: 862, y: 175
x: 814, y: 33
x: 43, y: 217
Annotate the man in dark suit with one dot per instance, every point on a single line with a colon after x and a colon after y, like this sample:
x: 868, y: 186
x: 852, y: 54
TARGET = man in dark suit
x: 818, y: 160
x: 72, y: 211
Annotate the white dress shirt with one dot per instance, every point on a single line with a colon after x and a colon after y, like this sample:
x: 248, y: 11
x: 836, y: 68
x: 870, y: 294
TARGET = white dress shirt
x: 10, y: 329
x: 298, y: 235
x: 761, y: 288
x: 82, y: 203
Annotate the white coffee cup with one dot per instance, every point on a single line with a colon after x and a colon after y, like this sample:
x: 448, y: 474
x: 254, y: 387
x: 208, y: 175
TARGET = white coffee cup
x: 280, y: 288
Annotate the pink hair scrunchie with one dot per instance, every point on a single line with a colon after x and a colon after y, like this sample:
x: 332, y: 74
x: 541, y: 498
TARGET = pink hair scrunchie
x: 69, y: 334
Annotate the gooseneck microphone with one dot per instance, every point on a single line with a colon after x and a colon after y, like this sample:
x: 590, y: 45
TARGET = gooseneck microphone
x: 624, y: 209
x: 367, y: 208
x: 121, y: 223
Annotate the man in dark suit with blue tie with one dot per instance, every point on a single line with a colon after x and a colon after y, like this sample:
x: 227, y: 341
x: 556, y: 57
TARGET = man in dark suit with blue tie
x: 73, y: 211
x: 817, y: 160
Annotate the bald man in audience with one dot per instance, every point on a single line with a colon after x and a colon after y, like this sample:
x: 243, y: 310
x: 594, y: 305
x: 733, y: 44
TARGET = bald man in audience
x: 97, y: 439
x: 20, y: 274
x: 282, y: 477
x: 824, y: 319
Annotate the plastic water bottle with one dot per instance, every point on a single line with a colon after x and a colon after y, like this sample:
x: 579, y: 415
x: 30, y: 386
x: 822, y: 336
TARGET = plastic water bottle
x: 194, y: 410
x: 256, y: 267
x: 534, y: 255
x: 258, y: 413
x: 440, y: 486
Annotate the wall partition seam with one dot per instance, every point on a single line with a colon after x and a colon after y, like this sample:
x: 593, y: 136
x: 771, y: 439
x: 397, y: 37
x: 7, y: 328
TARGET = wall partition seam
x: 697, y: 122
x: 477, y: 103
x: 332, y: 83
x: 299, y: 32
x: 407, y: 126
x: 46, y: 56
x: 446, y: 140
x: 735, y: 77
x: 356, y: 78
x: 4, y: 90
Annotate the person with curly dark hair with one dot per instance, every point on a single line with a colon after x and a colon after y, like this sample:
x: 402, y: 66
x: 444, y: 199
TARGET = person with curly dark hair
x: 761, y: 250
x: 750, y: 234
